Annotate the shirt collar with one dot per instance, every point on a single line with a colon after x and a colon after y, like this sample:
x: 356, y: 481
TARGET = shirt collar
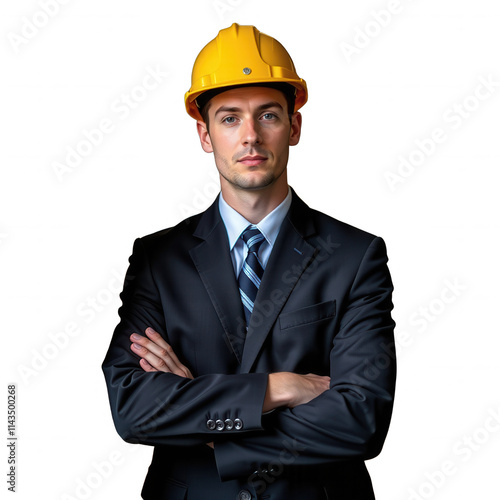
x: 269, y: 226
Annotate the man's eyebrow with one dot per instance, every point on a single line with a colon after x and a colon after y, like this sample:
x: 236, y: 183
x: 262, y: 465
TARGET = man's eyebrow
x: 227, y: 109
x: 235, y: 109
x: 268, y: 105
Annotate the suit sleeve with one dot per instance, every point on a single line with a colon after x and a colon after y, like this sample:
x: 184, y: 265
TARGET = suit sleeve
x: 158, y: 408
x: 349, y: 421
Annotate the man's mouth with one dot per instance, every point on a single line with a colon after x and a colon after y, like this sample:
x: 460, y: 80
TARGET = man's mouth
x: 252, y: 161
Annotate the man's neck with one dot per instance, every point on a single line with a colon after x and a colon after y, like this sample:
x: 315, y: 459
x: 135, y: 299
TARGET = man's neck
x: 254, y: 205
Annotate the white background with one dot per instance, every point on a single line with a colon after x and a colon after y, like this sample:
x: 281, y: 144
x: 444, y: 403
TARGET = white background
x: 65, y: 239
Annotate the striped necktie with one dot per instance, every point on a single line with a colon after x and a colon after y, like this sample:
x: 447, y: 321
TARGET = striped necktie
x: 252, y: 270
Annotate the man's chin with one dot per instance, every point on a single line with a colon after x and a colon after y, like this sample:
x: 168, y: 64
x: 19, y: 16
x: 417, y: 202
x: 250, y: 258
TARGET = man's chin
x: 254, y: 184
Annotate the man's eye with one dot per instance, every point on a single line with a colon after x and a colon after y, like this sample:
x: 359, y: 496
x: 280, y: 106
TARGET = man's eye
x: 269, y: 116
x: 229, y: 119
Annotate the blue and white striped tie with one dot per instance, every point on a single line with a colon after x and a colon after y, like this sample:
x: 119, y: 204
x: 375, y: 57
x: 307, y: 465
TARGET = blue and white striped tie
x: 252, y: 270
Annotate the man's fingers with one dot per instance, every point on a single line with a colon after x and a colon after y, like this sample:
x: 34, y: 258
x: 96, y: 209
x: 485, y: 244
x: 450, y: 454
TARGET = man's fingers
x: 320, y: 383
x: 157, y: 363
x: 308, y: 387
x: 166, y: 350
x: 146, y: 366
x: 158, y: 340
x: 323, y: 380
x: 158, y: 353
x: 158, y: 356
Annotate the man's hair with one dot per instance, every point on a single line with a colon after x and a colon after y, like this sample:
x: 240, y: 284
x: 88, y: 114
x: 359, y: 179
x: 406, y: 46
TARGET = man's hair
x: 288, y: 90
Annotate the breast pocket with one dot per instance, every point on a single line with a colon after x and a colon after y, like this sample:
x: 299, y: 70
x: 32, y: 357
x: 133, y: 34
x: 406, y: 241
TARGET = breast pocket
x: 307, y: 315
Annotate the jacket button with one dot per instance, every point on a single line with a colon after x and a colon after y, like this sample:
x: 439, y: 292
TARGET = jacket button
x: 244, y: 495
x: 219, y: 425
x: 211, y: 424
x: 238, y: 424
x: 229, y: 424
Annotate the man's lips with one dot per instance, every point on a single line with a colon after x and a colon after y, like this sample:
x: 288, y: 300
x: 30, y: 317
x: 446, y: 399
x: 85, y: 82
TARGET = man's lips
x: 252, y: 161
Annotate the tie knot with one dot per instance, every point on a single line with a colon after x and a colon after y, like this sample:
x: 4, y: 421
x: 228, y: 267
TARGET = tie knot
x: 253, y: 238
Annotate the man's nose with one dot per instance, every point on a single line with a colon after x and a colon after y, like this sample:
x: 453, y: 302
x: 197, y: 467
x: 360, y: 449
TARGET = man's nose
x: 251, y: 133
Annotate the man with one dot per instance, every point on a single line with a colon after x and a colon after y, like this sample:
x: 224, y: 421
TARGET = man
x: 255, y: 349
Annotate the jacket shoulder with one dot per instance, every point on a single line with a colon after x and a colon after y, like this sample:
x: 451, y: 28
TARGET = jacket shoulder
x: 327, y: 225
x: 176, y: 236
x: 309, y: 221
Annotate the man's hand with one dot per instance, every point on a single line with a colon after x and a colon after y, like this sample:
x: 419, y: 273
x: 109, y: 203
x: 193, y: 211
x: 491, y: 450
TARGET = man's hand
x: 290, y: 389
x: 283, y: 389
x: 157, y: 355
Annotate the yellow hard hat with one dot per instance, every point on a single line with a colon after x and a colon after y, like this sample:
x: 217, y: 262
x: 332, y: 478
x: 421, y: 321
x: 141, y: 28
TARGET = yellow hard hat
x: 242, y: 55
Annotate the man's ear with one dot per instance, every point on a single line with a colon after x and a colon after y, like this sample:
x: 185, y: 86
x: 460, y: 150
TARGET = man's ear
x: 205, y: 141
x: 295, y: 129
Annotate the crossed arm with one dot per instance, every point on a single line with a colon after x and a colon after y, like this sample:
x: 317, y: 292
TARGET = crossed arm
x: 283, y: 388
x: 159, y: 402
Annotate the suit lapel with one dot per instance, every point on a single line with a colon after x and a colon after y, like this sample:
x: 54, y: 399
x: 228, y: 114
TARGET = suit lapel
x: 213, y: 262
x: 290, y: 256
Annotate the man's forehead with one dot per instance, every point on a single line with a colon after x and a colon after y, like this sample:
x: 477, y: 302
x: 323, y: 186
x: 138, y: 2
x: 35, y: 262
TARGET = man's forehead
x: 254, y: 95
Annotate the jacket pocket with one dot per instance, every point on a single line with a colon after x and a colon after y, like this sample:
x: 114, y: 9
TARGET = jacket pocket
x: 309, y: 314
x: 164, y: 489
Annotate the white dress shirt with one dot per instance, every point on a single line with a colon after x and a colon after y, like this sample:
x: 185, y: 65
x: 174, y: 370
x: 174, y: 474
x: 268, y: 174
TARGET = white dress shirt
x: 269, y: 226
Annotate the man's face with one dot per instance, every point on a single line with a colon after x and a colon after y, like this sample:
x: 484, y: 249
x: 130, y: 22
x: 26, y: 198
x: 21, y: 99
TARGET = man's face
x: 250, y: 133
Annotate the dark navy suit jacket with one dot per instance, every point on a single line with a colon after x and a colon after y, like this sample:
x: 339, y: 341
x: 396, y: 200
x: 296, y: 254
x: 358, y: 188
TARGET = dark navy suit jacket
x: 324, y: 306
